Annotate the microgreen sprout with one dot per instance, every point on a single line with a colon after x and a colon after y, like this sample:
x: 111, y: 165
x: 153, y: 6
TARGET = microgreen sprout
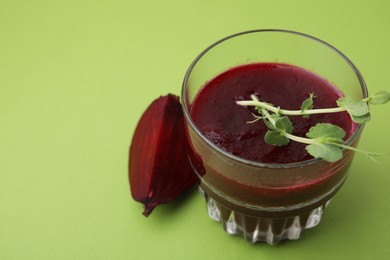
x: 307, y: 104
x: 323, y: 140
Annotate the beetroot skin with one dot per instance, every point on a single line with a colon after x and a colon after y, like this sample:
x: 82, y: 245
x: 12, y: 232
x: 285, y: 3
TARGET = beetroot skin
x: 159, y: 169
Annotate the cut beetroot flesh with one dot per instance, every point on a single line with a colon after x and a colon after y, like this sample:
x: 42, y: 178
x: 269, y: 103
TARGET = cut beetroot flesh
x: 159, y: 169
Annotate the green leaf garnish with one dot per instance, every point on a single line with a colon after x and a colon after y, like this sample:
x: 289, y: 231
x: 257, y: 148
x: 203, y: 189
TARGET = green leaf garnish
x: 284, y: 124
x: 307, y: 104
x: 328, y: 152
x: 276, y: 138
x: 325, y: 136
x: 361, y: 119
x: 353, y: 106
x: 379, y: 98
x: 325, y: 130
x: 357, y: 109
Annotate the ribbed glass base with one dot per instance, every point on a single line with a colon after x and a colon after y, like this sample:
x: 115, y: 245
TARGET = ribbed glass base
x: 257, y: 229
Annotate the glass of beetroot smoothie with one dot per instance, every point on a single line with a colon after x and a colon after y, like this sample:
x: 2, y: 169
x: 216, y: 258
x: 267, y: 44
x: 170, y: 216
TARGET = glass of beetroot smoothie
x: 259, y: 191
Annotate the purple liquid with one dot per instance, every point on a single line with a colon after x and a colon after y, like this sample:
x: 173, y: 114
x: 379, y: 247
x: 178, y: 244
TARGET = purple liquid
x: 222, y: 121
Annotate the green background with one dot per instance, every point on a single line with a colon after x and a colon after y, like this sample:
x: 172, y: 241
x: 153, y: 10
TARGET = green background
x: 75, y: 77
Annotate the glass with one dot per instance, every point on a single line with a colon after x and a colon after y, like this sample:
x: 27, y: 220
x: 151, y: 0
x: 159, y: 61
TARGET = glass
x: 259, y: 201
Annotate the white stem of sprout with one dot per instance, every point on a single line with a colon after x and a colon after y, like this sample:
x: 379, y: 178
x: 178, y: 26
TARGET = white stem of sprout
x: 256, y: 103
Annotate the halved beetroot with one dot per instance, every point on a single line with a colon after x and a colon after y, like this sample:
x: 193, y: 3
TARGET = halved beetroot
x: 159, y: 169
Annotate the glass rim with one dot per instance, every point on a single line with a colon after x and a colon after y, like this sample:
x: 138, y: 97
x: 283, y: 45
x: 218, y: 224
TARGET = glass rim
x: 189, y: 120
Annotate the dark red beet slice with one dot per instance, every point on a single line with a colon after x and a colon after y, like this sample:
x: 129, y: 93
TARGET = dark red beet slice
x: 159, y: 169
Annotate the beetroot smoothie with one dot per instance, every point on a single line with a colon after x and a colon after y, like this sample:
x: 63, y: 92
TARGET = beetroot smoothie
x: 258, y: 191
x: 224, y: 123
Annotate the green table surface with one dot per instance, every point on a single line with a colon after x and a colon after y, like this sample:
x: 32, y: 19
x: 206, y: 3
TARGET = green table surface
x: 75, y: 77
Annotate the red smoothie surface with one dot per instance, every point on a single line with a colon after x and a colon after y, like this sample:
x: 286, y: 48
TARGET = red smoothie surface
x: 225, y: 123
